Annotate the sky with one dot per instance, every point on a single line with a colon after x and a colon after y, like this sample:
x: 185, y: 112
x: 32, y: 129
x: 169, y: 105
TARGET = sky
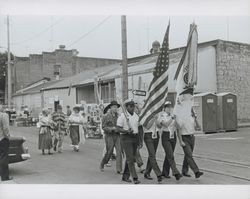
x: 100, y: 35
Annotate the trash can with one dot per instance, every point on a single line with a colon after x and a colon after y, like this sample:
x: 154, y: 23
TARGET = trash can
x: 205, y: 106
x: 227, y: 111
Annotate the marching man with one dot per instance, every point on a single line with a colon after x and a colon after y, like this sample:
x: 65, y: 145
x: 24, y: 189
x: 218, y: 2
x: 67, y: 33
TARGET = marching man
x: 128, y: 125
x: 186, y: 76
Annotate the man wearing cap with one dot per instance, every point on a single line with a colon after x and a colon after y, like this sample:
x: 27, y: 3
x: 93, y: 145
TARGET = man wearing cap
x: 128, y: 124
x: 185, y: 123
x: 151, y: 139
x: 59, y: 118
x: 112, y: 136
x: 166, y: 125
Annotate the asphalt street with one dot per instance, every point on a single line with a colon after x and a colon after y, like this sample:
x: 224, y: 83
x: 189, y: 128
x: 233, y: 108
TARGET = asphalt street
x: 223, y: 157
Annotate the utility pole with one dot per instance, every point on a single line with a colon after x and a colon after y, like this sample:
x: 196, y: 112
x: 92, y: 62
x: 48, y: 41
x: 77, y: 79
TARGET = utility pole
x: 8, y: 65
x: 124, y: 59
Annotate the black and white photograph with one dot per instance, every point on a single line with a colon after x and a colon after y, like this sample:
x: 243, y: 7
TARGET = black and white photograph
x: 143, y: 96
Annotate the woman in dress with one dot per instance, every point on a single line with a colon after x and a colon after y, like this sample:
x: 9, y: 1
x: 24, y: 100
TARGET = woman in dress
x: 76, y: 122
x: 45, y: 137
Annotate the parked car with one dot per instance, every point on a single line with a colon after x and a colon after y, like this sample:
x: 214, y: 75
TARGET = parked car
x: 17, y: 152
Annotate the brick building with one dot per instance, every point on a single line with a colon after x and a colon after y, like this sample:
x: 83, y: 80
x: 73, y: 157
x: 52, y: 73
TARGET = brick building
x: 58, y: 64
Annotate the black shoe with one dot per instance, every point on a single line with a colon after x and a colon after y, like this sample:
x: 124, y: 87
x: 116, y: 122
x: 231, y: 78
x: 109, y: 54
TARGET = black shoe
x: 166, y: 176
x: 198, y: 174
x: 9, y: 178
x: 118, y: 172
x: 137, y: 181
x: 126, y: 180
x: 101, y: 167
x: 159, y: 179
x: 186, y: 175
x: 178, y: 176
x: 50, y: 153
x: 147, y: 176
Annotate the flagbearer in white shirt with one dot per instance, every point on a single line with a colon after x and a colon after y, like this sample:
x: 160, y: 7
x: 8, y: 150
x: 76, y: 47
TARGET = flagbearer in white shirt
x: 151, y: 139
x: 166, y: 125
x: 128, y: 125
x: 185, y: 122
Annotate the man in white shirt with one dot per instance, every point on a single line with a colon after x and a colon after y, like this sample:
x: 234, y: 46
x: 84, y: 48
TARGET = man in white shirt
x: 151, y: 139
x: 4, y: 145
x: 128, y: 123
x: 185, y: 128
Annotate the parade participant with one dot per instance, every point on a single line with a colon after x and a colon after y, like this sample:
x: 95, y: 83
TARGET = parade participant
x: 186, y: 128
x: 166, y: 124
x: 68, y: 111
x: 138, y: 158
x: 45, y: 137
x: 151, y: 139
x: 128, y: 124
x: 112, y: 136
x: 59, y: 118
x: 4, y: 145
x: 76, y: 122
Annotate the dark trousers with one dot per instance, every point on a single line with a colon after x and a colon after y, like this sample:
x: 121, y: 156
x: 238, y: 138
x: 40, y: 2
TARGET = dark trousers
x: 188, y: 151
x: 138, y: 158
x: 113, y: 141
x: 152, y: 145
x: 4, y: 158
x: 130, y: 145
x: 168, y: 146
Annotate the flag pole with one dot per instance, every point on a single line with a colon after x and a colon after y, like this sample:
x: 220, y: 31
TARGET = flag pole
x: 124, y: 58
x: 8, y: 62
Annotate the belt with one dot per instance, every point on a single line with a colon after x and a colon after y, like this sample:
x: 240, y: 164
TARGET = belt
x: 191, y: 135
x: 129, y: 134
x: 165, y: 132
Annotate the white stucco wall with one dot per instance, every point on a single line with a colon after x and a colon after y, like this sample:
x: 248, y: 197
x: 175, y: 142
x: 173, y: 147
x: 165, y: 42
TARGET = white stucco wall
x: 49, y: 96
x: 206, y: 75
x: 33, y: 101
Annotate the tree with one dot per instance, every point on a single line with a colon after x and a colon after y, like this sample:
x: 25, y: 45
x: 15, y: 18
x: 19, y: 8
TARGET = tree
x: 3, y: 68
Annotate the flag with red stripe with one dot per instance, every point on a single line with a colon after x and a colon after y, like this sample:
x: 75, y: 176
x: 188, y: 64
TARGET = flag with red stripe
x: 158, y: 88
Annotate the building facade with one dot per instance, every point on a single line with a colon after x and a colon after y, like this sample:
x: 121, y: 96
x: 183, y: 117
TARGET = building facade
x: 223, y: 66
x: 61, y: 63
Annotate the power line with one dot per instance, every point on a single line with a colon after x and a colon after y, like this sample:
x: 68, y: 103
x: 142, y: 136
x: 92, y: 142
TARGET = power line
x: 86, y: 34
x: 40, y: 33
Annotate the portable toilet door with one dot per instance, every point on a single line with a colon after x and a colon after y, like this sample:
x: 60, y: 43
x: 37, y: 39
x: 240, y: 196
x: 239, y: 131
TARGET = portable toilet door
x: 228, y: 103
x: 207, y: 111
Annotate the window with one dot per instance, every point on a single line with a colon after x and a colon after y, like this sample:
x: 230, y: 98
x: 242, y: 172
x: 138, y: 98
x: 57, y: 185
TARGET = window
x: 57, y: 70
x: 108, y: 92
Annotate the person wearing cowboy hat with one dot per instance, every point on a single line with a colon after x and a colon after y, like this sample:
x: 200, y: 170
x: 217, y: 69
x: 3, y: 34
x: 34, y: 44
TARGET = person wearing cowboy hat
x: 166, y: 125
x: 76, y: 122
x: 185, y: 123
x: 112, y: 136
x: 128, y: 124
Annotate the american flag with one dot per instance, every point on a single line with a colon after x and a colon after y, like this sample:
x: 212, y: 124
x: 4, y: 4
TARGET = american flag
x: 158, y: 88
